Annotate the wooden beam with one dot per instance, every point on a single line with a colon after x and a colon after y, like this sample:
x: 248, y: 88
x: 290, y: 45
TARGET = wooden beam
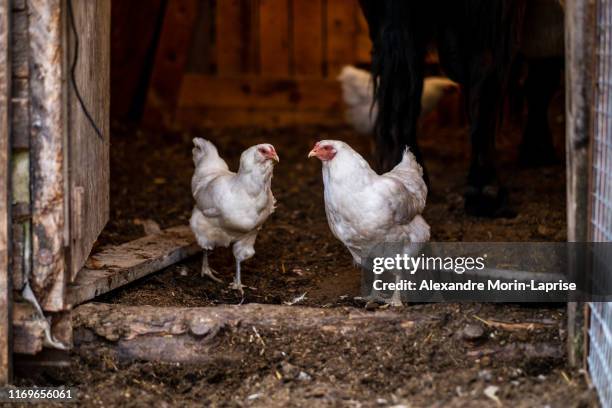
x: 203, y: 91
x: 178, y: 334
x: 48, y: 278
x: 229, y: 42
x: 274, y: 37
x: 307, y: 28
x: 5, y: 219
x: 580, y: 53
x: 201, y: 118
x: 122, y: 264
x: 341, y: 23
x: 363, y: 44
x: 170, y: 60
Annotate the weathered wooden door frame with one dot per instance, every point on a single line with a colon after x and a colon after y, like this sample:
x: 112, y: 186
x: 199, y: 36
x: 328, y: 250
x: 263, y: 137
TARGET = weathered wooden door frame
x: 5, y: 239
x: 579, y: 53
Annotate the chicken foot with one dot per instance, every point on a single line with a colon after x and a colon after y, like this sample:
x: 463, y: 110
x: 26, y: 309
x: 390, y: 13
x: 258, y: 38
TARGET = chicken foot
x: 237, y: 284
x: 207, y: 270
x: 243, y: 250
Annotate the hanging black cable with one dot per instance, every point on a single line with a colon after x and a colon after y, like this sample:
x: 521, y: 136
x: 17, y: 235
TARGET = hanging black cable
x: 73, y: 76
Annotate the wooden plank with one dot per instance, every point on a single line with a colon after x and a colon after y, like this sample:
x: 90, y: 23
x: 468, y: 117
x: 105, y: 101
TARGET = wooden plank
x: 89, y: 154
x: 48, y: 278
x: 175, y: 334
x: 307, y: 24
x: 5, y: 218
x: 204, y: 118
x: 580, y: 51
x: 170, y: 60
x: 257, y: 92
x: 133, y: 34
x: 120, y: 265
x: 202, y: 55
x: 228, y: 39
x: 20, y: 98
x: 363, y: 44
x: 274, y: 37
x: 29, y: 329
x: 340, y: 35
x: 19, y: 42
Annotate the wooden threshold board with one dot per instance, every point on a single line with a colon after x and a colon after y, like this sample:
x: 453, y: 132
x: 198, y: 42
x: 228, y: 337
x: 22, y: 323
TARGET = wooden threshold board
x: 119, y: 265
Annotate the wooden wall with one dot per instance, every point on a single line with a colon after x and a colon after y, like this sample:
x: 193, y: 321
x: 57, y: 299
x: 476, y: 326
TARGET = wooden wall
x: 5, y: 286
x: 254, y: 62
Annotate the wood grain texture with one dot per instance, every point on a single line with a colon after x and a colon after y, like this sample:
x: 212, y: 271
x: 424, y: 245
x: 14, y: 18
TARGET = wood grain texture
x: 308, y: 37
x: 202, y: 55
x: 341, y: 22
x: 229, y: 42
x: 579, y: 53
x: 363, y: 44
x: 5, y: 219
x: 170, y: 60
x: 174, y: 334
x: 28, y: 329
x: 20, y: 98
x: 89, y: 155
x: 120, y: 265
x: 259, y: 92
x: 274, y: 37
x: 202, y: 118
x: 48, y: 277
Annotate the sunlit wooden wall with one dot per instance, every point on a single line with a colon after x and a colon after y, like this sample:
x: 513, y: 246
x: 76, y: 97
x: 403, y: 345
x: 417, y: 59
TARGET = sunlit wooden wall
x: 254, y: 62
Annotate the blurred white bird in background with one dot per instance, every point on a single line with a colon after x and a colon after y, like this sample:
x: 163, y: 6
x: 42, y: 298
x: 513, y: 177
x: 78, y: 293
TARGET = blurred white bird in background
x: 358, y: 93
x: 231, y: 207
x: 365, y: 209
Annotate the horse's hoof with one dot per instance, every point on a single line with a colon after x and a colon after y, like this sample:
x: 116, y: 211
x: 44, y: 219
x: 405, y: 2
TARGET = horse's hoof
x: 488, y: 201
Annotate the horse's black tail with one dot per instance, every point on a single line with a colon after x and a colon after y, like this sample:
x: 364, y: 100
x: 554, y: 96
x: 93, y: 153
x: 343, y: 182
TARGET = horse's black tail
x: 399, y: 41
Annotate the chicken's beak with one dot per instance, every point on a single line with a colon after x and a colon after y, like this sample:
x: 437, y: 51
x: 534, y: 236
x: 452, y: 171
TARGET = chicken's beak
x: 275, y: 157
x: 313, y: 153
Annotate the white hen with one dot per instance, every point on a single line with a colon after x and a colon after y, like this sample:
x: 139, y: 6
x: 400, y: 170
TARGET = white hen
x: 230, y: 207
x: 358, y: 93
x: 365, y: 209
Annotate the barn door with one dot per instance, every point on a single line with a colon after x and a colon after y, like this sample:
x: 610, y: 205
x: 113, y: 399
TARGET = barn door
x: 88, y: 188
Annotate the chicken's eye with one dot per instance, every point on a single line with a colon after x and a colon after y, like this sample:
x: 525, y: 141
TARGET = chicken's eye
x: 262, y: 150
x: 327, y: 147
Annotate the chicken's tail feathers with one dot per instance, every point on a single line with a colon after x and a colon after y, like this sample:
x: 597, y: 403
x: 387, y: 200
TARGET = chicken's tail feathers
x: 203, y: 147
x: 409, y: 162
x: 204, y: 152
x: 410, y: 173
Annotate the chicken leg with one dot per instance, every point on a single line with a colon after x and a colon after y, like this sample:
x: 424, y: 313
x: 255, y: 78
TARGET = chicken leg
x: 207, y: 270
x: 396, y: 298
x: 243, y: 250
x: 237, y: 284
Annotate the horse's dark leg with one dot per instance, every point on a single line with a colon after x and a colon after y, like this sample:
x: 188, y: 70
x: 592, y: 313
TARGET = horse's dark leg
x: 484, y: 195
x: 542, y: 82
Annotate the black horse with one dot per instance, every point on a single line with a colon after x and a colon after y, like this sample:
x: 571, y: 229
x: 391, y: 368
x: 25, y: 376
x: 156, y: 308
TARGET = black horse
x: 477, y: 41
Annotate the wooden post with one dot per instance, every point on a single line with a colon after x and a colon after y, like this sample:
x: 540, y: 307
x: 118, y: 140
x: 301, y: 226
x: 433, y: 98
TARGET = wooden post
x: 48, y: 277
x: 579, y: 46
x: 170, y: 60
x: 5, y: 287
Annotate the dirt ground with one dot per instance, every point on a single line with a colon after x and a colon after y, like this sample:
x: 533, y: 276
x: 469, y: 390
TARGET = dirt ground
x: 435, y: 365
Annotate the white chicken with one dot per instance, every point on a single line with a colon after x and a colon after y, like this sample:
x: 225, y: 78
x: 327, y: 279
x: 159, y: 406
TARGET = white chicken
x: 230, y: 207
x: 358, y: 93
x: 365, y: 209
